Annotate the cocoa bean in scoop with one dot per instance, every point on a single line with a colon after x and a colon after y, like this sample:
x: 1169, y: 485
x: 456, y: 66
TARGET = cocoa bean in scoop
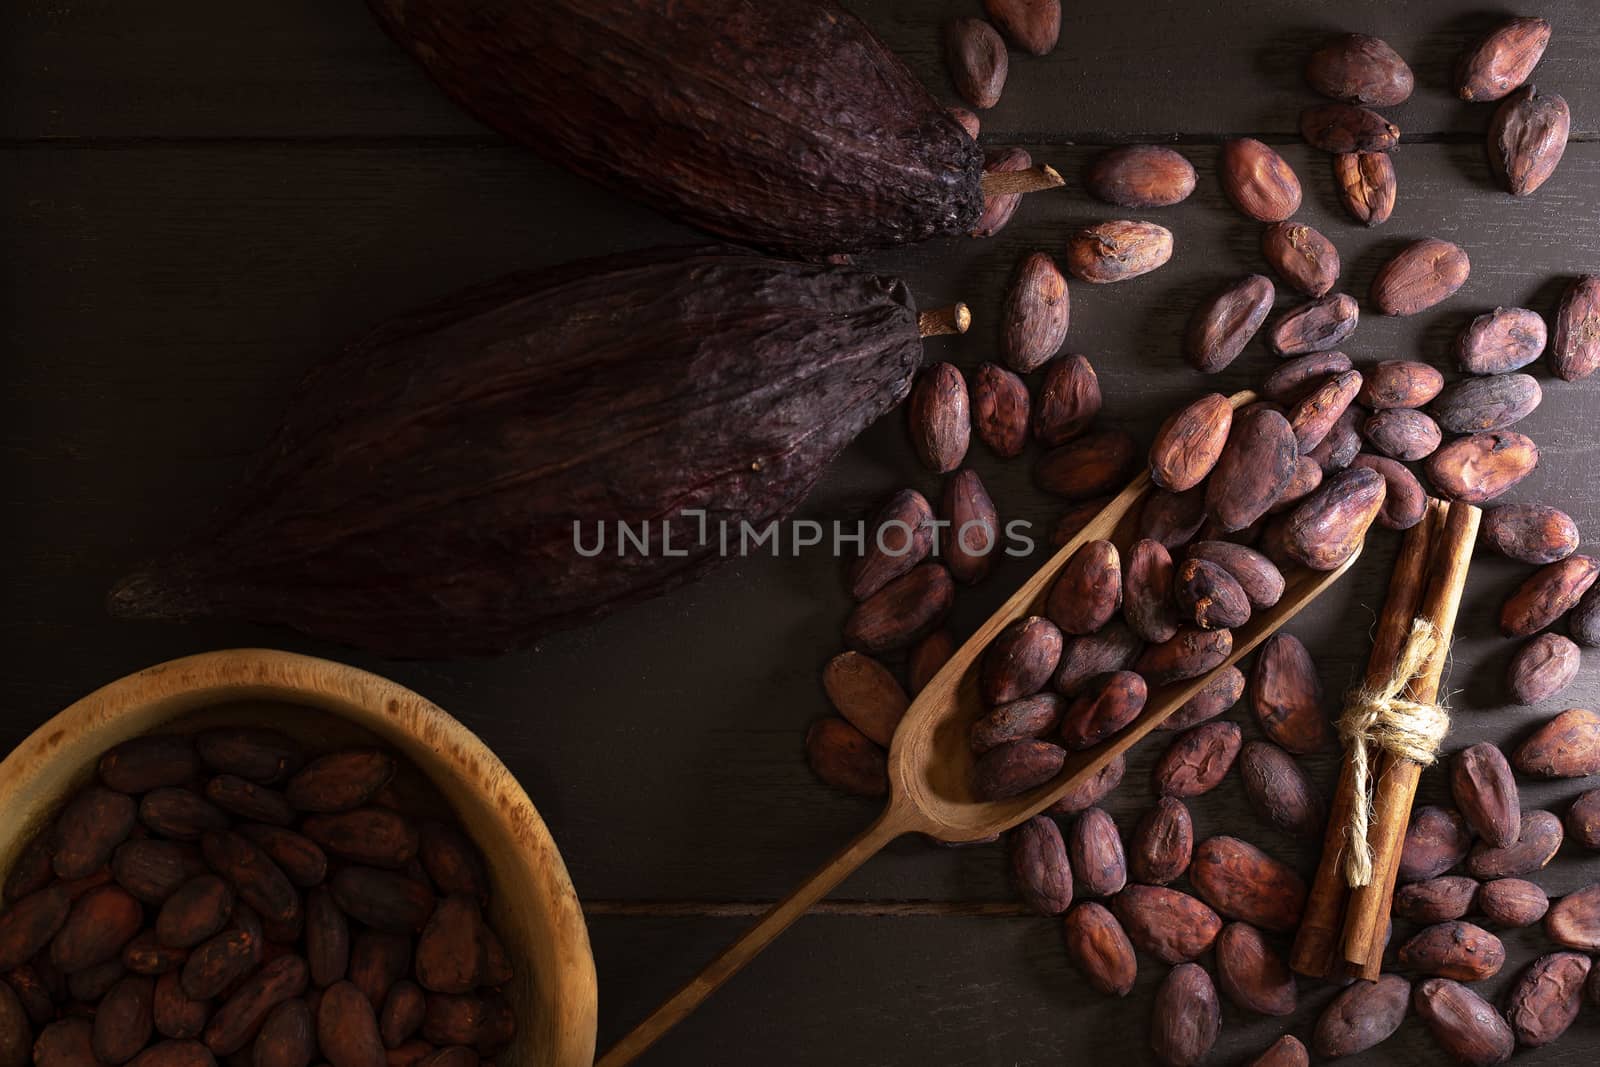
x: 1092, y: 790
x: 1189, y: 443
x: 1019, y: 661
x: 1330, y: 526
x: 1208, y: 596
x: 1012, y: 769
x: 1256, y: 465
x: 1088, y: 591
x: 1173, y: 518
x: 1219, y: 694
x: 1110, y: 702
x: 1189, y: 653
x: 1083, y: 658
x: 1020, y: 720
x: 1147, y: 591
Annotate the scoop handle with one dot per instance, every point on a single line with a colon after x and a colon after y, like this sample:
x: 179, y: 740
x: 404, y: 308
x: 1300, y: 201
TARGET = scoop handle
x: 889, y: 825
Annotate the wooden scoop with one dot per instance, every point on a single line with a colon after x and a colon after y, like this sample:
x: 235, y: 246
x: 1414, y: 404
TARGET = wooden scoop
x: 931, y: 760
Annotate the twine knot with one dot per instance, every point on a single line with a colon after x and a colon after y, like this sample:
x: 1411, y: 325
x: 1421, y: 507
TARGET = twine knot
x: 1378, y: 717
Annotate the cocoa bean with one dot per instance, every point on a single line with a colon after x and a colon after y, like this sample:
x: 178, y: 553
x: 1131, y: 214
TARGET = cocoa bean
x: 199, y: 908
x: 938, y: 412
x: 1197, y: 760
x: 927, y: 658
x: 255, y: 878
x: 902, y: 612
x: 1346, y: 128
x: 340, y: 780
x: 1437, y: 900
x: 1189, y: 442
x: 1098, y: 947
x: 1502, y: 59
x: 91, y: 983
x: 218, y: 963
x: 403, y: 1011
x: 141, y: 764
x: 1186, y: 1019
x: 449, y: 954
x: 1481, y: 467
x: 383, y: 900
x: 1463, y: 1023
x: 1529, y: 533
x: 145, y: 954
x: 1219, y: 694
x: 1069, y: 400
x: 1568, y: 746
x: 486, y: 1024
x: 175, y: 1054
x: 1242, y: 882
x: 1287, y: 1051
x: 1037, y: 312
x: 295, y: 854
x: 1094, y: 464
x: 1258, y: 180
x: 1012, y: 769
x: 1366, y: 185
x: 1500, y: 341
x: 1140, y: 176
x: 863, y: 691
x: 1173, y: 518
x: 1584, y: 621
x: 1315, y: 415
x: 347, y: 1028
x: 844, y: 758
x: 1477, y: 405
x: 1456, y: 950
x: 175, y: 1013
x: 1315, y: 327
x: 1537, y: 843
x: 181, y: 814
x: 1286, y: 696
x: 1072, y: 521
x: 375, y: 836
x: 99, y: 924
x: 1404, y: 500
x: 1527, y: 138
x: 1574, y: 920
x: 1340, y: 447
x: 1117, y: 251
x: 1301, y: 256
x: 66, y: 1043
x: 1039, y: 866
x: 1547, y: 594
x: 1088, y: 591
x: 1251, y: 974
x: 123, y: 1021
x: 1546, y: 997
x: 1147, y: 591
x: 1329, y: 528
x: 1111, y: 702
x: 1512, y: 902
x: 380, y: 958
x: 1172, y: 926
x: 1082, y: 658
x: 1583, y: 820
x: 1307, y: 477
x: 1402, y: 433
x: 1261, y: 582
x: 153, y: 870
x: 1279, y: 790
x: 1436, y: 840
x: 1485, y: 792
x: 266, y: 757
x: 1019, y: 720
x: 1162, y: 843
x: 28, y: 925
x: 1294, y: 379
x: 30, y: 870
x: 1543, y: 667
x: 1255, y: 467
x: 1208, y: 596
x: 974, y: 527
x: 1364, y: 1014
x: 327, y: 936
x: 1188, y: 654
x: 287, y: 1037
x: 1224, y: 324
x: 88, y: 831
x: 1359, y: 69
x: 32, y: 992
x: 1099, y: 868
x: 1092, y: 790
x: 1575, y: 350
x: 1399, y: 383
x: 998, y: 209
x: 1031, y: 25
x: 1000, y: 410
x: 240, y: 1016
x: 901, y: 537
x: 1419, y: 276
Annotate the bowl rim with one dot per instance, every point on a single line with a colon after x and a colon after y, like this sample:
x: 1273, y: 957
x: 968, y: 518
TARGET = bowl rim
x: 32, y: 774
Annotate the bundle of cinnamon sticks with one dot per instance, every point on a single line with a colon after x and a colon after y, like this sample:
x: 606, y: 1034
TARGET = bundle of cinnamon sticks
x: 1344, y: 930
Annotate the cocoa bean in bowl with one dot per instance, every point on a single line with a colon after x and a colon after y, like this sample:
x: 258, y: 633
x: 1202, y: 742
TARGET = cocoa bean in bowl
x: 271, y: 855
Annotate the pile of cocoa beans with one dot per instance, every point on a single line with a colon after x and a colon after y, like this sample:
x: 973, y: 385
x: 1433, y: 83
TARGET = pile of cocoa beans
x: 1290, y: 481
x: 227, y: 896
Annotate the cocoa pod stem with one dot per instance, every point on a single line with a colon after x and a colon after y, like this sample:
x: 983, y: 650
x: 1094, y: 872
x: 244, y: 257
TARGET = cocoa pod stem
x: 935, y: 322
x: 1034, y: 179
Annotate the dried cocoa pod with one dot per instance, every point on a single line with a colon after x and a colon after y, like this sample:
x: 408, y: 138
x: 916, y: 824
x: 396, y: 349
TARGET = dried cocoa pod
x: 175, y: 1014
x: 1364, y: 1014
x: 145, y: 954
x: 998, y: 208
x: 1436, y: 840
x: 1360, y: 69
x: 1172, y: 926
x: 1099, y: 868
x: 1366, y: 185
x: 1419, y: 276
x: 1208, y: 596
x: 1485, y: 793
x: 449, y: 954
x: 1219, y: 694
x: 1019, y: 720
x: 199, y: 908
x: 1568, y: 746
x: 1092, y: 790
x: 347, y: 1028
x: 239, y: 1018
x: 1574, y: 920
x: 1512, y: 902
x: 153, y: 870
x: 1286, y: 696
x: 926, y: 659
x: 1343, y: 443
x: 1402, y: 433
x: 141, y: 764
x: 403, y: 1010
x: 1500, y: 341
x: 295, y: 854
x: 1530, y: 533
x: 1527, y: 138
x: 974, y: 527
x: 375, y: 836
x: 1315, y: 327
x: 1197, y: 760
x: 1098, y: 947
x: 1118, y: 250
x: 1399, y: 383
x: 1546, y: 997
x: 1110, y: 702
x: 1307, y: 477
x: 218, y: 963
x: 1437, y: 900
x: 1279, y: 790
x: 1012, y: 769
x: 1287, y: 1051
x: 255, y: 878
x: 1536, y: 845
x: 1255, y: 467
x: 1162, y: 843
x: 1222, y: 326
x: 1346, y: 128
x: 901, y: 537
x: 1404, y: 499
x: 1502, y: 60
x: 976, y: 56
x: 940, y: 423
x: 1189, y: 653
x: 249, y: 801
x: 287, y: 1037
x: 1584, y: 622
x: 1242, y: 882
x: 1252, y: 975
x: 266, y: 757
x: 1261, y: 581
x: 1189, y: 442
x: 1069, y: 400
x: 99, y: 924
x: 1294, y: 379
x: 1083, y: 658
x: 902, y: 612
x: 1094, y: 464
x: 1583, y: 820
x: 327, y: 939
x: 339, y: 781
x: 844, y: 758
x: 1258, y: 180
x: 89, y: 829
x: 1173, y: 518
x: 1543, y: 667
x: 1463, y: 1024
x: 1000, y: 410
x: 1477, y: 405
x: 1456, y: 950
x: 1037, y: 312
x: 1147, y: 592
x: 1088, y: 590
x: 1039, y: 866
x: 1315, y: 415
x: 181, y: 814
x: 1481, y: 467
x: 123, y: 1021
x: 1329, y: 528
x: 1547, y: 594
x: 1575, y: 350
x: 862, y: 690
x: 28, y: 925
x: 1141, y: 176
x: 1302, y: 256
x: 1186, y: 1019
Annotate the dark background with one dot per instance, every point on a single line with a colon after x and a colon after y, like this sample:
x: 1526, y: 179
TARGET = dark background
x: 198, y: 199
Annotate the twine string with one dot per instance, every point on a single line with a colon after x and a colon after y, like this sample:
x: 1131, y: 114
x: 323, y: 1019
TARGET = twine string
x: 1378, y: 719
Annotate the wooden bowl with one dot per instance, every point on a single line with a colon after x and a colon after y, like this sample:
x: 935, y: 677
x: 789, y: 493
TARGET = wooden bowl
x: 533, y: 905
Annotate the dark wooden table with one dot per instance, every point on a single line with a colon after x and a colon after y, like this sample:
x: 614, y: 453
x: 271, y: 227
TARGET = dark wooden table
x: 199, y: 199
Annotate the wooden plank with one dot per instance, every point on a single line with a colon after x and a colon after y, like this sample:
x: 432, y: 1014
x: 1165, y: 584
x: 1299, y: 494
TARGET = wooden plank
x: 1143, y: 71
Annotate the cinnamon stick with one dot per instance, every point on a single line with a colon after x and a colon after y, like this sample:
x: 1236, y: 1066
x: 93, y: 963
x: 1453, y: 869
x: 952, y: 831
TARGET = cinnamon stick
x: 1366, y: 926
x: 1318, y: 939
